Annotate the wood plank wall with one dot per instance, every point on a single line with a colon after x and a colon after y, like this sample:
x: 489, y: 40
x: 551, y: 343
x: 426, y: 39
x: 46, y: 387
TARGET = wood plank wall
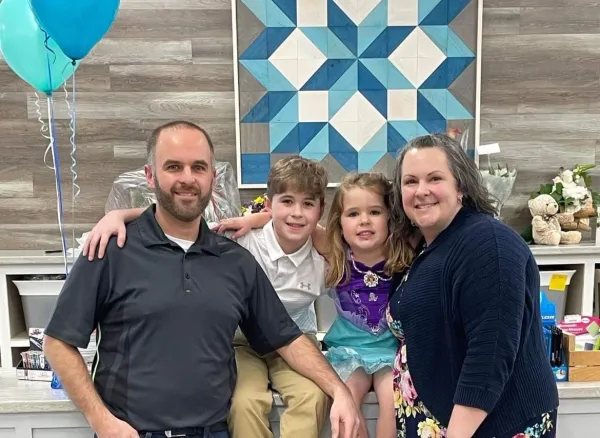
x: 541, y: 90
x: 167, y: 59
x: 161, y: 60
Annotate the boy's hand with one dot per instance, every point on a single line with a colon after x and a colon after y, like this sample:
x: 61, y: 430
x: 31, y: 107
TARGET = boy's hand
x: 111, y: 224
x: 243, y: 224
x: 240, y: 225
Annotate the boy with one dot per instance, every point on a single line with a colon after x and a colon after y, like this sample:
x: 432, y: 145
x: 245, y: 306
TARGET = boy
x: 283, y: 247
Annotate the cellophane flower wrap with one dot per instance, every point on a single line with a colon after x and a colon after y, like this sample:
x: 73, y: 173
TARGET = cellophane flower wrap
x: 499, y: 181
x: 130, y: 190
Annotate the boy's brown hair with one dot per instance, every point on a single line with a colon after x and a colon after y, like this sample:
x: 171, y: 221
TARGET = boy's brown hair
x: 297, y: 174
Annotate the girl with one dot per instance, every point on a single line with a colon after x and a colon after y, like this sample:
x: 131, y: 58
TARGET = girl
x: 362, y: 261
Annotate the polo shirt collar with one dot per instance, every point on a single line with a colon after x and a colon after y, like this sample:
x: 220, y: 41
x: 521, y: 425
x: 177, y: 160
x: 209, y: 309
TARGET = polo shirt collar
x: 153, y: 234
x: 275, y: 251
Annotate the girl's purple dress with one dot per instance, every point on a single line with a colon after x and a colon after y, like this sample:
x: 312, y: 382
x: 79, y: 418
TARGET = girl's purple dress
x: 359, y: 336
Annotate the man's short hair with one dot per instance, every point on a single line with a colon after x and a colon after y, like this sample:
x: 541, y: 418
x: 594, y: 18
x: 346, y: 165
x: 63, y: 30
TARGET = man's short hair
x: 176, y: 124
x: 297, y: 174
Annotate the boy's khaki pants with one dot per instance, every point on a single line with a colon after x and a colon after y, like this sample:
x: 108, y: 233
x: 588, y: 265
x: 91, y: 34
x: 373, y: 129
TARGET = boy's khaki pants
x: 306, y: 405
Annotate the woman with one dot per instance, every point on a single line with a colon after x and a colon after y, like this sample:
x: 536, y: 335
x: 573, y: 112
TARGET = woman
x: 467, y: 313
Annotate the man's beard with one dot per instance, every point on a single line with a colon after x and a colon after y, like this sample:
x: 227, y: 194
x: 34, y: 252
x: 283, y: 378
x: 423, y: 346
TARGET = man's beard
x: 185, y: 212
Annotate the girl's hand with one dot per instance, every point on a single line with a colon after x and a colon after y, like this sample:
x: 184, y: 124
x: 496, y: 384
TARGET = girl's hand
x: 111, y: 224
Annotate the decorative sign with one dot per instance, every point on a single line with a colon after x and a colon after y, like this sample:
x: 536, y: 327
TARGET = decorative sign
x: 349, y: 83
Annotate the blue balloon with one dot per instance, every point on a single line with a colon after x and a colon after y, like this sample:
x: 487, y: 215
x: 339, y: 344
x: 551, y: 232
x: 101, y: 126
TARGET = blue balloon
x: 76, y: 25
x: 23, y: 45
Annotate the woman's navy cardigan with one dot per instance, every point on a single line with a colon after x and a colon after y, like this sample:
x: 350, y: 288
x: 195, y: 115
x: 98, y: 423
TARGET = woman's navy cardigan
x: 470, y: 310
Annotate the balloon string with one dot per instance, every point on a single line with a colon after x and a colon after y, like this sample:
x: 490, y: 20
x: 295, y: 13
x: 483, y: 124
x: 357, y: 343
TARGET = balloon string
x: 75, y: 189
x: 58, y: 179
x: 46, y: 38
x: 43, y: 129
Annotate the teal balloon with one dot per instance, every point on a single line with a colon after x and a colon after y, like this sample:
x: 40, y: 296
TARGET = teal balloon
x: 41, y: 64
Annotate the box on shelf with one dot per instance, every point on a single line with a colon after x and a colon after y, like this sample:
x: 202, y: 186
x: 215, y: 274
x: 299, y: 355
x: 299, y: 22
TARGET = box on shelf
x: 39, y: 299
x: 584, y: 363
x: 555, y: 284
x: 548, y: 310
x: 596, y: 300
x: 28, y: 374
x: 33, y: 365
x: 558, y: 359
x: 553, y: 338
x: 36, y: 339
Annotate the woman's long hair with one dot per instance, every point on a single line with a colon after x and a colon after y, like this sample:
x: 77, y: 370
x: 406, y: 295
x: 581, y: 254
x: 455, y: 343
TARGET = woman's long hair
x: 465, y: 172
x: 398, y: 253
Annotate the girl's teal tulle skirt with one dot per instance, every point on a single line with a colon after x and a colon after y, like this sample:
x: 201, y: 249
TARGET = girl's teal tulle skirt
x: 350, y: 348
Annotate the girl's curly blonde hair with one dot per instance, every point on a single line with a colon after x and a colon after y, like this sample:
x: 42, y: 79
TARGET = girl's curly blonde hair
x: 398, y: 253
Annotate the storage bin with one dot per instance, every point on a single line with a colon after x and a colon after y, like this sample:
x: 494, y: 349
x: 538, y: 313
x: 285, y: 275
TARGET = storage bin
x: 584, y: 366
x: 559, y: 298
x: 38, y: 298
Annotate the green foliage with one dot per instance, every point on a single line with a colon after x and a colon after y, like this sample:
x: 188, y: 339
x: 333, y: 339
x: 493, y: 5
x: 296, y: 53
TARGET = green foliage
x: 527, y: 234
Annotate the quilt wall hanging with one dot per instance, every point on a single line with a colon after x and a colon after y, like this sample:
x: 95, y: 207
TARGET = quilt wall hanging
x: 349, y: 82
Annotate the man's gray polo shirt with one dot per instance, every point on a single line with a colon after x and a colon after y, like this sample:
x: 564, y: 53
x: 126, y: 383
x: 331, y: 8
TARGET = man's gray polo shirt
x: 166, y: 321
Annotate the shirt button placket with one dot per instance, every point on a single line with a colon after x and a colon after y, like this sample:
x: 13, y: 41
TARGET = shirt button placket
x: 186, y: 277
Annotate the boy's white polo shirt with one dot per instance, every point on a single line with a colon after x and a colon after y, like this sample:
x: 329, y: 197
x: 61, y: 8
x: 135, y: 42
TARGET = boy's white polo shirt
x: 298, y: 278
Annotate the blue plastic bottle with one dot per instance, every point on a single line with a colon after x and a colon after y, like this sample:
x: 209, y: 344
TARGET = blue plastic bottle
x: 55, y: 384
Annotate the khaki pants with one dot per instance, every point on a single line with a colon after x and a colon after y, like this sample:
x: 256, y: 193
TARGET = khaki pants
x: 306, y: 405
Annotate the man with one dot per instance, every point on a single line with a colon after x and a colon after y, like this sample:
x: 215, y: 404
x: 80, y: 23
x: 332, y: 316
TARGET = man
x: 166, y: 307
x: 284, y: 250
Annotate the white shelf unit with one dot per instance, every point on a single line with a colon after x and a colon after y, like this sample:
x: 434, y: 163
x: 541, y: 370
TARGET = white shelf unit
x: 14, y: 337
x: 583, y: 258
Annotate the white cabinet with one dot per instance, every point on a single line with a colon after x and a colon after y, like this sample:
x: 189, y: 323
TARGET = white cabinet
x: 62, y: 432
x: 579, y: 411
x: 44, y: 425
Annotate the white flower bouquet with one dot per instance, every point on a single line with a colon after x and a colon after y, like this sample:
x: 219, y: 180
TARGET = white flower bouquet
x: 499, y: 181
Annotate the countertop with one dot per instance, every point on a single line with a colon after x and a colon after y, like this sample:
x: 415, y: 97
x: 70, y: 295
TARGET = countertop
x: 32, y: 257
x: 22, y: 396
x: 586, y: 248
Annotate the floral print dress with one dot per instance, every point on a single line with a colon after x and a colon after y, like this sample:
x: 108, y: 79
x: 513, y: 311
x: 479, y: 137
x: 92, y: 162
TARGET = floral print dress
x: 413, y: 420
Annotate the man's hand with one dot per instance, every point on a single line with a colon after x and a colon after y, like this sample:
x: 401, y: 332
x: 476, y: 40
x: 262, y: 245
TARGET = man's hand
x: 115, y: 428
x: 344, y: 415
x: 303, y: 356
x: 67, y: 363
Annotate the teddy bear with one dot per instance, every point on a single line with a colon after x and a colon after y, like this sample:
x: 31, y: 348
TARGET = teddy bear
x: 545, y: 224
